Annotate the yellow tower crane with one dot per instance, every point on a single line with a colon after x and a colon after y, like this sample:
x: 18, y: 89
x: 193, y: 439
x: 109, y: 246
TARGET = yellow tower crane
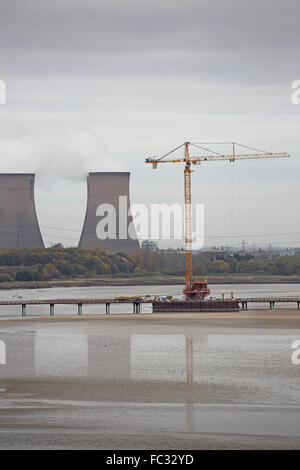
x: 188, y: 160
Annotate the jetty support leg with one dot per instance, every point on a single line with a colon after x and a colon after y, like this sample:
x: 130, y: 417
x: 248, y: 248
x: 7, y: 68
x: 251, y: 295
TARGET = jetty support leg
x: 51, y: 310
x: 79, y: 310
x: 23, y: 310
x: 107, y: 308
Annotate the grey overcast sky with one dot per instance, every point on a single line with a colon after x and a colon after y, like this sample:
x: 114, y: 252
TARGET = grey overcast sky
x: 97, y: 85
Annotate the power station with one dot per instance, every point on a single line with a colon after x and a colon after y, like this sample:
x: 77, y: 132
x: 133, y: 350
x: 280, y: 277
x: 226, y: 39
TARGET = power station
x: 19, y: 226
x: 107, y: 221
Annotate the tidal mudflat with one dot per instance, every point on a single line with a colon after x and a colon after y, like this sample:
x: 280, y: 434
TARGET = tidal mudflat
x: 191, y: 381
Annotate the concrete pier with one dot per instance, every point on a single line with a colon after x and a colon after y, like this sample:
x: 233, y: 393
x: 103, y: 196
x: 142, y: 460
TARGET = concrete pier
x: 79, y: 310
x: 137, y: 304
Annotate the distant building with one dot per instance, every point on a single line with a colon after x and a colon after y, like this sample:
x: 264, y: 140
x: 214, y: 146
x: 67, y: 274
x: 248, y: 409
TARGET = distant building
x: 149, y: 245
x: 287, y: 252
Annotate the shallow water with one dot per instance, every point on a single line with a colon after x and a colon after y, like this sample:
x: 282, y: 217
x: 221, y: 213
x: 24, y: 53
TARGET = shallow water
x: 149, y: 384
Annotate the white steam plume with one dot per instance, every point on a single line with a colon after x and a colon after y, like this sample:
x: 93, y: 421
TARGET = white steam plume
x: 56, y: 154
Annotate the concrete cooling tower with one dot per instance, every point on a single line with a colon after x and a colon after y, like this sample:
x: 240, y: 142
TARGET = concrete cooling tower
x: 108, y: 189
x: 19, y: 226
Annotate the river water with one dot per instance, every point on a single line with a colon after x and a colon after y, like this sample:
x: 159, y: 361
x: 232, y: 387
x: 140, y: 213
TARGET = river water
x: 149, y: 381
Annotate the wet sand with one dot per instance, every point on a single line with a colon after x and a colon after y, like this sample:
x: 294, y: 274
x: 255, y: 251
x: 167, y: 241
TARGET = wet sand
x: 189, y: 381
x: 283, y: 318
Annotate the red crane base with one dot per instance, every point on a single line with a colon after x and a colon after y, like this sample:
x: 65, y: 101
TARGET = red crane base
x: 197, y: 290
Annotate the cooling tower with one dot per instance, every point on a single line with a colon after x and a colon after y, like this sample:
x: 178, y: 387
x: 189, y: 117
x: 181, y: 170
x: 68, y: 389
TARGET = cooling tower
x: 19, y: 226
x: 108, y: 189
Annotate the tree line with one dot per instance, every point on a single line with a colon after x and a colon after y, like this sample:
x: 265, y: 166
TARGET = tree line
x: 45, y: 264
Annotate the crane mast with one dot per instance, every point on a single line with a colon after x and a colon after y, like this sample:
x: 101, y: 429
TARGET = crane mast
x: 198, y: 290
x: 188, y: 218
